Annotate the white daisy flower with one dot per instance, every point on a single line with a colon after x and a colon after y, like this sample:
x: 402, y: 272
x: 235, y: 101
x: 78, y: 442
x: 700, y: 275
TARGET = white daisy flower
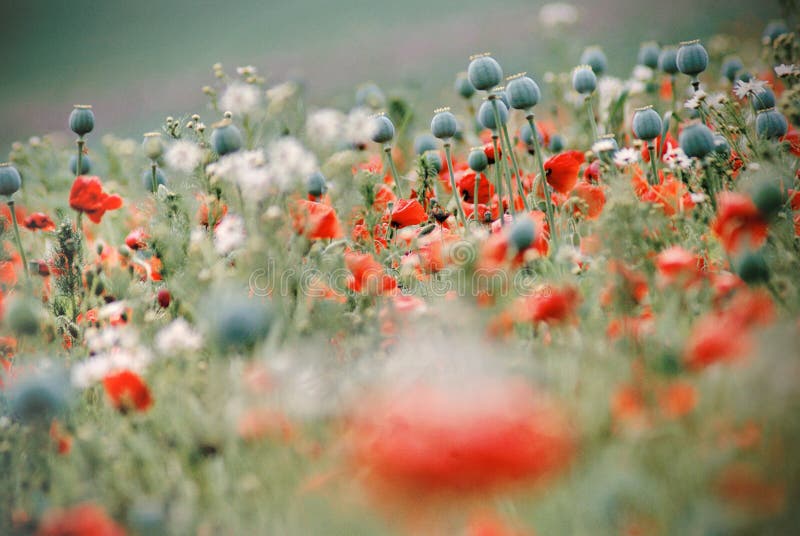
x: 183, y: 156
x: 642, y: 73
x: 229, y: 235
x: 289, y: 162
x: 325, y: 127
x: 741, y: 88
x: 626, y: 156
x: 717, y: 100
x: 359, y: 126
x: 178, y: 336
x: 696, y: 101
x: 602, y: 146
x: 783, y: 70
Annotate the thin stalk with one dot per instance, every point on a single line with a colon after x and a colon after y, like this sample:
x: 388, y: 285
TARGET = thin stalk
x: 388, y: 151
x: 154, y: 176
x: 475, y: 197
x: 592, y: 120
x: 17, y: 239
x: 506, y: 140
x: 673, y: 92
x: 498, y: 182
x: 652, y: 150
x: 453, y: 185
x: 78, y: 168
x: 548, y: 200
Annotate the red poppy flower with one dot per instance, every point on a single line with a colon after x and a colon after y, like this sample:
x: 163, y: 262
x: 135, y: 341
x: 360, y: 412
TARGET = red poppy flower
x: 127, y: 391
x: 465, y: 182
x: 218, y: 211
x: 136, y: 239
x: 315, y: 220
x: 367, y: 274
x: 793, y: 138
x: 39, y: 221
x: 592, y: 197
x: 87, y: 196
x: 467, y: 438
x: 677, y: 265
x: 408, y: 212
x: 86, y: 519
x: 592, y: 172
x: 562, y: 170
x: 738, y: 222
x: 678, y: 399
x: 551, y: 305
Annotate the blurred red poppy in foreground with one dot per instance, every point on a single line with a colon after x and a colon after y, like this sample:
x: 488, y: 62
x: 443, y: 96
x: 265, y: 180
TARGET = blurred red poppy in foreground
x: 562, y: 170
x: 85, y: 519
x: 127, y: 391
x: 408, y: 212
x: 87, y: 196
x: 367, y: 274
x: 738, y: 222
x: 39, y: 221
x: 459, y: 439
x: 315, y: 220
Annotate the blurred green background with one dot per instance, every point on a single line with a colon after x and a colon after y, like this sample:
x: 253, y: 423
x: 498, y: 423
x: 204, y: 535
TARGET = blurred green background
x: 138, y: 61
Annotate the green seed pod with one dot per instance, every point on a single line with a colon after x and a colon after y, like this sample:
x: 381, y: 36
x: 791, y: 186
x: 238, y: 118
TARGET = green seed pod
x: 523, y: 93
x: 595, y: 58
x: 500, y: 94
x: 484, y: 72
x: 477, y: 160
x: 768, y: 198
x: 522, y: 235
x: 770, y: 124
x: 463, y: 86
x: 744, y: 76
x: 81, y: 120
x: 731, y: 67
x: 316, y: 184
x: 648, y: 54
x: 86, y: 165
x: 238, y: 322
x: 147, y: 179
x: 584, y: 80
x: 10, y: 180
x: 24, y: 316
x: 721, y: 145
x: 773, y: 30
x: 647, y: 124
x: 526, y: 135
x: 370, y: 96
x: 384, y: 129
x: 762, y: 99
x: 668, y: 60
x: 147, y: 517
x: 444, y: 125
x: 752, y: 268
x: 38, y: 397
x: 692, y: 58
x: 226, y: 138
x: 153, y: 145
x: 424, y: 143
x: 696, y: 140
x: 486, y: 114
x: 433, y: 160
x: 556, y: 143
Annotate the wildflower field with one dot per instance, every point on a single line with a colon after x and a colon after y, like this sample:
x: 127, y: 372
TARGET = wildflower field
x: 556, y: 305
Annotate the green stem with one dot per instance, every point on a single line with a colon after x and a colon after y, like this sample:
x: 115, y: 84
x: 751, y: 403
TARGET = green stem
x: 154, y: 176
x: 475, y: 197
x: 506, y: 140
x: 592, y: 120
x: 652, y: 150
x: 548, y: 200
x: 673, y: 92
x: 79, y: 162
x: 498, y: 181
x: 17, y: 239
x: 453, y: 185
x: 388, y: 151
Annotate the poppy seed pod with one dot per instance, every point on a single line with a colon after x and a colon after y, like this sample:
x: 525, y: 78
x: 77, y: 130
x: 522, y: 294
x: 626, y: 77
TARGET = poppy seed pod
x: 370, y: 96
x: 721, y: 145
x: 463, y: 86
x: 768, y: 198
x: 556, y: 143
x: 731, y: 67
x: 647, y: 124
x: 668, y: 60
x: 39, y: 396
x: 316, y: 184
x: 770, y: 124
x: 226, y: 138
x: 153, y: 145
x: 762, y: 99
x: 696, y: 140
x: 584, y: 81
x: 486, y: 114
x: 237, y: 321
x: 424, y: 143
x: 444, y: 125
x: 477, y: 160
x: 383, y: 129
x: 595, y: 58
x: 86, y: 165
x: 500, y: 93
x: 81, y: 120
x: 744, y: 76
x: 147, y: 179
x: 484, y: 72
x: 433, y: 160
x: 10, y: 180
x: 522, y: 235
x: 752, y: 268
x: 648, y: 54
x: 773, y: 30
x: 692, y: 58
x: 523, y: 93
x: 526, y: 134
